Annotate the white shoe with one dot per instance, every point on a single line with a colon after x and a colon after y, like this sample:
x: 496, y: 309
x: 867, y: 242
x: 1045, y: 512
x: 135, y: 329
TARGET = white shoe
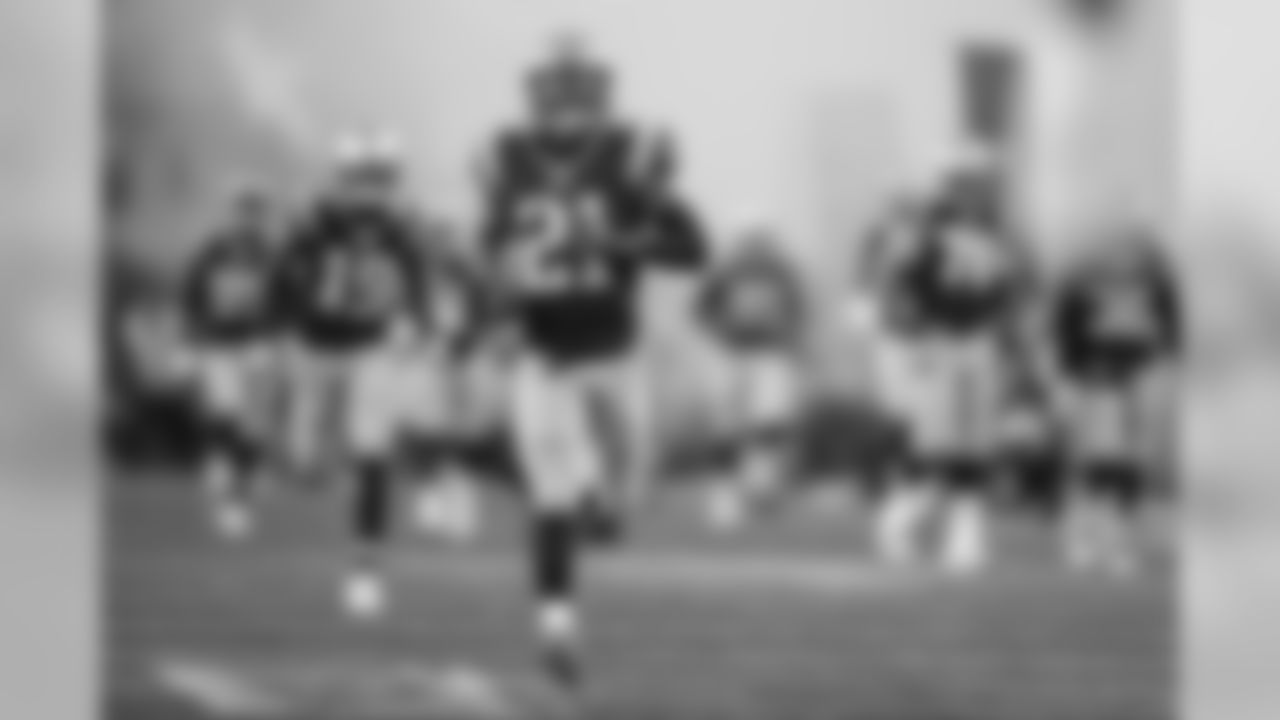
x: 560, y: 637
x: 364, y: 596
x: 233, y: 521
x: 966, y: 538
x: 450, y: 510
x: 726, y: 509
x: 898, y: 525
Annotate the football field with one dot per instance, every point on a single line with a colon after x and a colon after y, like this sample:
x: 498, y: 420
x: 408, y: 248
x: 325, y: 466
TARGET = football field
x: 789, y: 620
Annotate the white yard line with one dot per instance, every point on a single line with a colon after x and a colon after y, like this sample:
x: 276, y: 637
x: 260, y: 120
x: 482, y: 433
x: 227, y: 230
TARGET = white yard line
x: 648, y: 573
x: 318, y: 687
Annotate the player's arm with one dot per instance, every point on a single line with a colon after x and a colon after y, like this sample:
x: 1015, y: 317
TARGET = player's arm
x: 677, y: 238
x: 192, y: 309
x: 497, y: 226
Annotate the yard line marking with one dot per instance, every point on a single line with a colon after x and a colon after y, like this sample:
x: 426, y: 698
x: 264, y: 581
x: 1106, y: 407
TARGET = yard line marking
x: 648, y: 572
x: 214, y: 689
x: 335, y: 687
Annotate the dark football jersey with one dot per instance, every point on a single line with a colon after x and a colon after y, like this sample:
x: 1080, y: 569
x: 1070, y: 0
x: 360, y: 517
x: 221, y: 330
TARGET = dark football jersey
x: 349, y: 272
x: 229, y: 296
x: 572, y: 203
x: 959, y: 280
x: 755, y: 302
x: 1111, y: 326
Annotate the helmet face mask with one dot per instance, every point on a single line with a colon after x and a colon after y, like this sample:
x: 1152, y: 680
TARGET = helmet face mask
x: 368, y: 182
x: 368, y: 168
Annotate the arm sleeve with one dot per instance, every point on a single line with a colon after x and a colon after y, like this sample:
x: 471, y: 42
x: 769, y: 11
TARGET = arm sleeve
x: 682, y: 243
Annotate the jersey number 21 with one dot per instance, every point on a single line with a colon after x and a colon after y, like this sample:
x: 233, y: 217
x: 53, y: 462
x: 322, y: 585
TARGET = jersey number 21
x: 557, y: 232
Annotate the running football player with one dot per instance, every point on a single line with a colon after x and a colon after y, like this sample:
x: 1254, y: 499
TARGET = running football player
x: 232, y: 323
x: 442, y: 428
x: 353, y: 277
x: 956, y: 293
x: 1117, y: 325
x: 754, y: 307
x: 568, y: 215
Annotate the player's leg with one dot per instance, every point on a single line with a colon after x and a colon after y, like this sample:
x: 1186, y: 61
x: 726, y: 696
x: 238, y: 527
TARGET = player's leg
x: 768, y: 408
x: 620, y: 421
x: 318, y: 411
x: 301, y: 375
x: 371, y: 433
x: 1107, y: 477
x: 973, y: 461
x: 916, y: 394
x: 447, y: 503
x: 230, y: 457
x: 1157, y: 444
x: 559, y: 468
x: 231, y: 463
x: 1032, y: 462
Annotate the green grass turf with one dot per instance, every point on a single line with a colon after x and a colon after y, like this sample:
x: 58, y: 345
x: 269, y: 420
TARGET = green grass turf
x: 788, y: 621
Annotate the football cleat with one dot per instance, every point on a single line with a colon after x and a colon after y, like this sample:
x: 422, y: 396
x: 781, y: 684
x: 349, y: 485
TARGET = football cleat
x: 364, y: 596
x: 560, y: 634
x: 450, y: 510
x: 233, y: 521
x: 726, y: 509
x: 966, y: 538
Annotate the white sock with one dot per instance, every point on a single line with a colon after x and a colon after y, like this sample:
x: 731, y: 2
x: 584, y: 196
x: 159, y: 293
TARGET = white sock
x: 899, y: 523
x: 233, y: 518
x: 558, y: 622
x: 450, y: 508
x: 966, y: 535
x: 727, y: 506
x: 365, y: 595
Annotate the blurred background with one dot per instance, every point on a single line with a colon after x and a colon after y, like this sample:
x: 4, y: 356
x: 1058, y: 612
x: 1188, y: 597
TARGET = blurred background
x: 804, y: 117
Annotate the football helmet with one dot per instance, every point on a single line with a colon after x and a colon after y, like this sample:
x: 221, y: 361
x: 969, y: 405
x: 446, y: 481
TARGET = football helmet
x: 571, y: 91
x: 367, y: 167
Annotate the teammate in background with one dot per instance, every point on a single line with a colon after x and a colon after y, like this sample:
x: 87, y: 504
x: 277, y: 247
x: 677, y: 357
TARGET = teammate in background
x: 754, y: 306
x: 353, y: 277
x: 571, y: 223
x: 1031, y: 438
x: 232, y: 323
x: 1117, y: 326
x: 442, y: 431
x: 872, y: 315
x: 955, y: 296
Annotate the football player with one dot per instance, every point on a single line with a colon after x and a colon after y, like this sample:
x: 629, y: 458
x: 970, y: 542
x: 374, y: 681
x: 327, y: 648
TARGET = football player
x: 872, y: 313
x: 1116, y: 324
x: 953, y: 298
x: 443, y: 427
x: 568, y: 223
x: 754, y: 307
x: 353, y: 278
x: 232, y: 322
